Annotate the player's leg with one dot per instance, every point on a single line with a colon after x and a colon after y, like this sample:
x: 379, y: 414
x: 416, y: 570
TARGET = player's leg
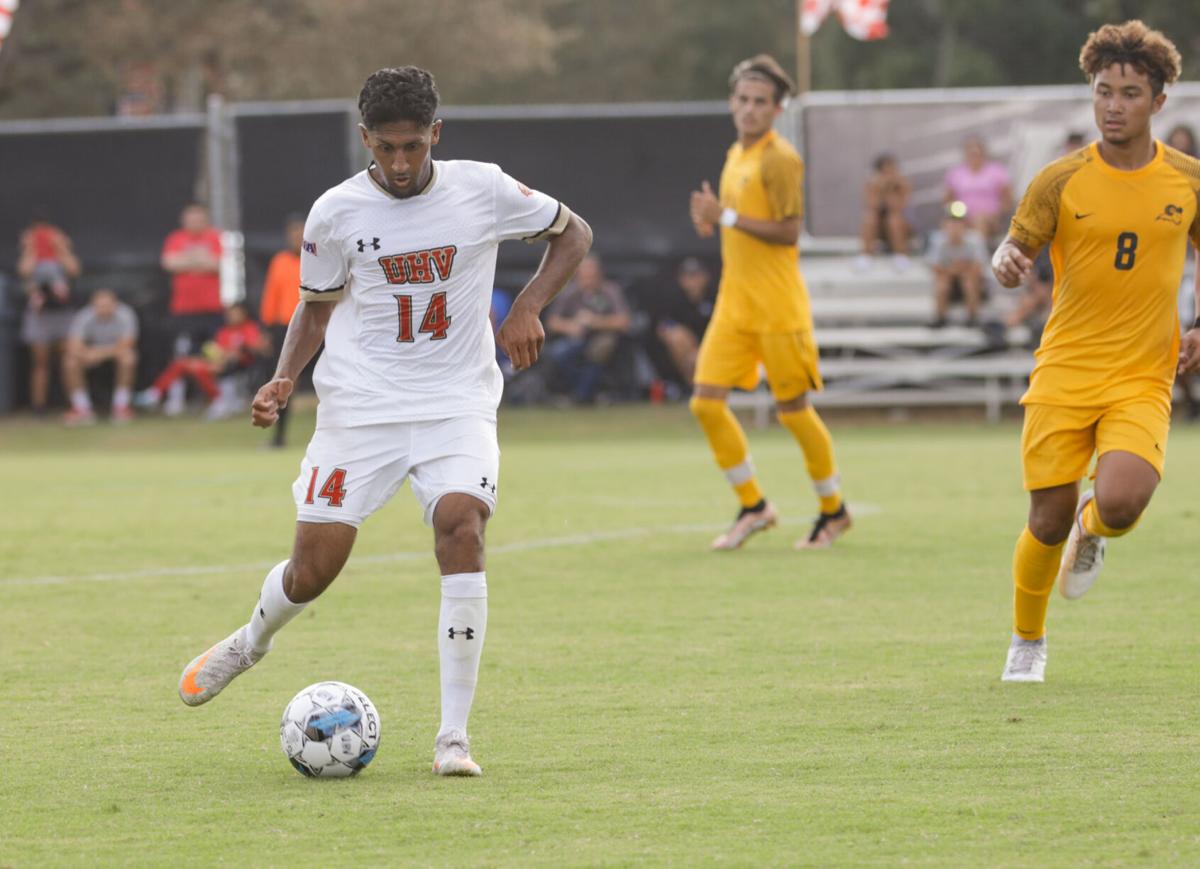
x: 346, y: 475
x: 793, y: 371
x: 456, y: 465
x: 1056, y: 446
x: 458, y: 527
x: 728, y: 359
x: 1131, y: 440
x: 318, y: 555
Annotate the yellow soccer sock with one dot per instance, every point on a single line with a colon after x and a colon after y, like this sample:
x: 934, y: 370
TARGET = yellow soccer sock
x: 729, y: 446
x: 1093, y: 524
x: 817, y: 445
x: 1035, y: 567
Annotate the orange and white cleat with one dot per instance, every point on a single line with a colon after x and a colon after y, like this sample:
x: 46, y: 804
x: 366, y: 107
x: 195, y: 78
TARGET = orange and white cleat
x: 207, y: 675
x: 76, y: 417
x: 452, y: 755
x: 828, y: 528
x: 749, y: 521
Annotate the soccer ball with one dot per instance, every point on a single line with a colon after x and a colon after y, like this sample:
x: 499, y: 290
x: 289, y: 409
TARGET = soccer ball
x: 330, y: 730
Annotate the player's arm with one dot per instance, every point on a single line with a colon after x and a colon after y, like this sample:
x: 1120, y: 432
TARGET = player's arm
x: 706, y: 210
x: 305, y: 333
x: 521, y: 334
x: 1012, y: 262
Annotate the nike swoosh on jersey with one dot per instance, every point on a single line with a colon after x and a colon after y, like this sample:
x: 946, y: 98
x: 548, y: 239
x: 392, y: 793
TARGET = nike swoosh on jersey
x: 1079, y: 216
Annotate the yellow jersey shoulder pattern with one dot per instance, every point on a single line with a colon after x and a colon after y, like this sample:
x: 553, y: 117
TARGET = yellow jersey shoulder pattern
x: 783, y: 178
x: 1189, y: 168
x: 1036, y: 219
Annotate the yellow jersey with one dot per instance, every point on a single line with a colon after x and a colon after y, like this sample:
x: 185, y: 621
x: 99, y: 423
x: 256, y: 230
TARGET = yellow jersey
x: 761, y: 289
x: 1117, y: 243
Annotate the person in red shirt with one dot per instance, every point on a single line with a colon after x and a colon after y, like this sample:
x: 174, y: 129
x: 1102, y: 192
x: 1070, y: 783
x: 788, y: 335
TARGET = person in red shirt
x: 280, y: 296
x: 192, y: 256
x: 46, y: 265
x: 235, y: 347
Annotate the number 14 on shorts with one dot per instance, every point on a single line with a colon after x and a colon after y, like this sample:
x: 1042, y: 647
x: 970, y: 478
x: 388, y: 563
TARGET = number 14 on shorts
x: 333, y: 490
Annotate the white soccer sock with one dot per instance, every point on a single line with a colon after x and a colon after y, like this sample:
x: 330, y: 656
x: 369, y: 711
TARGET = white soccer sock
x: 272, y: 611
x: 81, y: 401
x: 461, y: 628
x: 121, y: 396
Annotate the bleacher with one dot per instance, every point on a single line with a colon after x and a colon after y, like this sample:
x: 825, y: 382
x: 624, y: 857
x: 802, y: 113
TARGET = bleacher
x: 878, y: 351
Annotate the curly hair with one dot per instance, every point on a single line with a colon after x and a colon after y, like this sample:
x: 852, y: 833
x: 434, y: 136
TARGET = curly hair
x: 764, y: 68
x: 1147, y: 51
x: 405, y: 93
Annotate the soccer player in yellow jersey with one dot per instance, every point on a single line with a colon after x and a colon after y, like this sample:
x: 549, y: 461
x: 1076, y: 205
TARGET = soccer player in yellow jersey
x: 762, y: 313
x: 1117, y: 216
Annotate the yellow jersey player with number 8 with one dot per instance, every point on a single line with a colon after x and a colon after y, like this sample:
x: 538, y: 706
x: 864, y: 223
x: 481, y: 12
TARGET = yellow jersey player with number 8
x: 1117, y: 216
x: 762, y: 313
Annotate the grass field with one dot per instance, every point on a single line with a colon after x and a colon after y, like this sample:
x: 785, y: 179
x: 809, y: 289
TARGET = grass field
x: 641, y: 700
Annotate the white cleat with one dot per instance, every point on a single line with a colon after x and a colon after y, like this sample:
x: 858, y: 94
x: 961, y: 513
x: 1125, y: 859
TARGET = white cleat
x: 207, y: 675
x: 1083, y: 556
x: 1026, y: 661
x: 747, y: 523
x: 452, y: 755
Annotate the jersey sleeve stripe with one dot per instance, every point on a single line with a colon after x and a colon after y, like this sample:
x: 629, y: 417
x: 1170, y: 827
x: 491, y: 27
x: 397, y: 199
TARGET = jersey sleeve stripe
x: 556, y: 227
x: 329, y: 294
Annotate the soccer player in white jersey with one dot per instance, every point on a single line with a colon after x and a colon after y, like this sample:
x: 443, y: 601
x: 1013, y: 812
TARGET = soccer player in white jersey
x: 396, y: 272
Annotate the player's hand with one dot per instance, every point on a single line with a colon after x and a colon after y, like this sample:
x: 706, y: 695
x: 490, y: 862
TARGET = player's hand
x: 271, y: 398
x: 1189, y: 352
x: 704, y: 230
x: 1010, y: 266
x: 521, y: 336
x: 705, y: 207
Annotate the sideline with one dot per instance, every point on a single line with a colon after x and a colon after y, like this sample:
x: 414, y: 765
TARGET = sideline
x: 859, y: 509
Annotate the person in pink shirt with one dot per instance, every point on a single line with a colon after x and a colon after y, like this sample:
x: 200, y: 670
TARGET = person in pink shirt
x: 984, y: 186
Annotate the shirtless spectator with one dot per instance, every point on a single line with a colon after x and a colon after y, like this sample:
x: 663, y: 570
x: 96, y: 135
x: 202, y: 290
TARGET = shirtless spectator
x: 886, y: 197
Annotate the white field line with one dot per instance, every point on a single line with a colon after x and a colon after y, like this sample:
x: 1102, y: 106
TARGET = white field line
x: 583, y: 539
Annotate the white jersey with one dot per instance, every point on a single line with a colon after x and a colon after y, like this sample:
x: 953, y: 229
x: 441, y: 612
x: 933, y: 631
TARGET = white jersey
x: 410, y: 337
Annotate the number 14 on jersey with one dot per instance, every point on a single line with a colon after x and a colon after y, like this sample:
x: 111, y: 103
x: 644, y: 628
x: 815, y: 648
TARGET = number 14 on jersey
x: 435, y: 323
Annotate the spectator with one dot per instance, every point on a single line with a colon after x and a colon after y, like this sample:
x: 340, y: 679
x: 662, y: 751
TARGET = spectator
x: 1033, y: 307
x: 106, y: 330
x: 984, y: 186
x: 1183, y: 138
x: 46, y: 265
x: 280, y: 296
x: 885, y: 199
x: 957, y: 255
x: 680, y: 316
x: 192, y: 255
x: 585, y: 325
x: 235, y: 348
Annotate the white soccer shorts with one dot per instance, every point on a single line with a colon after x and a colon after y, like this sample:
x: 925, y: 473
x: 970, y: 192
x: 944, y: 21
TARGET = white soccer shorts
x: 349, y: 473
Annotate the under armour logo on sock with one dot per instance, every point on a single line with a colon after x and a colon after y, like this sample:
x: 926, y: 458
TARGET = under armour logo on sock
x: 469, y: 633
x: 362, y: 245
x: 486, y: 485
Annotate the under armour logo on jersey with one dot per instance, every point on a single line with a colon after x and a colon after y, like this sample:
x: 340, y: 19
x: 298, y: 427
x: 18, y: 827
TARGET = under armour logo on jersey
x: 469, y: 633
x: 486, y: 485
x: 1173, y: 214
x: 362, y: 245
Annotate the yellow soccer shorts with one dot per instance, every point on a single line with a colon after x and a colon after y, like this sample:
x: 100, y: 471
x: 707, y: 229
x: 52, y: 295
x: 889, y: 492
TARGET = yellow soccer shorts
x: 1057, y: 443
x: 731, y: 357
